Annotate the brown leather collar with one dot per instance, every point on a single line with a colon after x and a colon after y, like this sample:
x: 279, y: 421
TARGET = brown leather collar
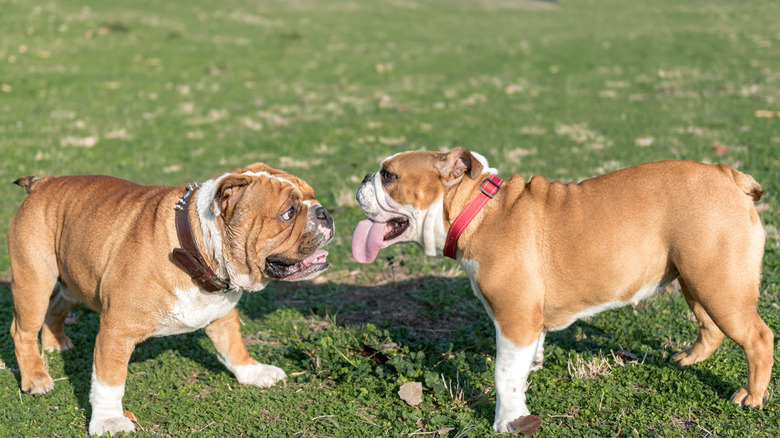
x: 188, y: 257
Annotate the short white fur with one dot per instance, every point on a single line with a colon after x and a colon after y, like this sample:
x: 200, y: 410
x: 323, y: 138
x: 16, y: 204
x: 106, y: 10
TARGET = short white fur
x: 513, y: 365
x: 107, y: 413
x: 257, y: 374
x: 195, y: 309
x: 485, y: 166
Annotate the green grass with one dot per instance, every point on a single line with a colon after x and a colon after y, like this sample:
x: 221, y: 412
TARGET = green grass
x: 169, y: 92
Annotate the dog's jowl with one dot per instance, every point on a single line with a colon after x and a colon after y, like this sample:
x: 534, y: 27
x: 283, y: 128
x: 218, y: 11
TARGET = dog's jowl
x: 542, y: 254
x: 154, y: 261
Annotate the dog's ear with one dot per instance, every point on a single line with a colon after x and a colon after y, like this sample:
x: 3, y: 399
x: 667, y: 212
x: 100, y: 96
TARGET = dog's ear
x: 456, y: 164
x: 229, y: 192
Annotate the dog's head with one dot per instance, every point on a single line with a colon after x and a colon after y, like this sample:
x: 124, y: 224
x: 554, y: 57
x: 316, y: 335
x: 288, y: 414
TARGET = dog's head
x: 405, y: 199
x: 263, y: 224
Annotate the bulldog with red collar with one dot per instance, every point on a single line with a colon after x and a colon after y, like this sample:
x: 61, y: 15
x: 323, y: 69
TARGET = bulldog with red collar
x: 154, y: 261
x: 542, y: 254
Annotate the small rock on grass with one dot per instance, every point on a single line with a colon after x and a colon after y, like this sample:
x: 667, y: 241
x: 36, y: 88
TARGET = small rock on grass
x: 411, y: 393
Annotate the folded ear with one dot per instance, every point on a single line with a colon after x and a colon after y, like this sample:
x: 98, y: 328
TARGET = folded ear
x: 456, y: 164
x: 229, y: 192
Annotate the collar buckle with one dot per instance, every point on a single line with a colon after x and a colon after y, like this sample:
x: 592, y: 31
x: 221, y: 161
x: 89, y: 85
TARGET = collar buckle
x: 486, y: 186
x: 489, y: 188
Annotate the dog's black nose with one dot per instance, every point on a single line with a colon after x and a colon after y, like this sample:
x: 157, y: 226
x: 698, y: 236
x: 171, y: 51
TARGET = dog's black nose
x: 368, y: 177
x: 322, y: 214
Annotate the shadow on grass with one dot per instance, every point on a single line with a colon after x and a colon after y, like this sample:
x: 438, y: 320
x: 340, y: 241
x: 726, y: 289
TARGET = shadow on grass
x: 432, y: 314
x: 438, y: 314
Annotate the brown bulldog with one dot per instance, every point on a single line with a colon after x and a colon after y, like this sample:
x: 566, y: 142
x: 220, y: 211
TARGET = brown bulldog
x: 154, y: 261
x: 541, y: 254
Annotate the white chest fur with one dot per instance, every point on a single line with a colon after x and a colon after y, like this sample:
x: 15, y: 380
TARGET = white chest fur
x: 195, y: 309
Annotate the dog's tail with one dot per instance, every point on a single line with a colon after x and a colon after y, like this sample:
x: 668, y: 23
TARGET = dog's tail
x: 27, y: 182
x: 747, y: 184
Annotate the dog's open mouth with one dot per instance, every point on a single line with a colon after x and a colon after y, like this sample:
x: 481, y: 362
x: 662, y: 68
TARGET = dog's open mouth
x: 369, y: 237
x: 283, y: 269
x: 395, y: 227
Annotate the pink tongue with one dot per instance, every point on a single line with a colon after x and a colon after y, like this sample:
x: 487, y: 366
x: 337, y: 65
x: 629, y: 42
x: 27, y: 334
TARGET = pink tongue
x: 367, y: 240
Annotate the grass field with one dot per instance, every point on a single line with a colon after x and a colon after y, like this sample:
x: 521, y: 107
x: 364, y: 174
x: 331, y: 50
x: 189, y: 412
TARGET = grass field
x: 170, y: 92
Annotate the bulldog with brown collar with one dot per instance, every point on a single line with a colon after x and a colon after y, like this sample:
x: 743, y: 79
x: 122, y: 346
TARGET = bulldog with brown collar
x: 542, y: 254
x: 154, y: 261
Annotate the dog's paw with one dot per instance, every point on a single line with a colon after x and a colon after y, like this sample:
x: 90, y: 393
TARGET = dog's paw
x: 507, y: 421
x: 113, y: 425
x: 682, y: 358
x: 39, y: 382
x: 524, y: 425
x: 56, y: 344
x: 685, y: 358
x: 745, y: 399
x: 501, y: 426
x: 259, y: 374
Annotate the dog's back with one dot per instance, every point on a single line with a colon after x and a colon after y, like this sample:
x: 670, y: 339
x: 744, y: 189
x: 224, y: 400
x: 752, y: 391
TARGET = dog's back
x: 94, y: 209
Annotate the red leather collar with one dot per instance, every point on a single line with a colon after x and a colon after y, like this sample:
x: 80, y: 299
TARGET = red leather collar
x: 489, y: 188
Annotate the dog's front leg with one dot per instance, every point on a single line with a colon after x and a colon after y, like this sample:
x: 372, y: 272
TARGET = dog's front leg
x: 225, y: 333
x: 112, y: 354
x: 513, y: 364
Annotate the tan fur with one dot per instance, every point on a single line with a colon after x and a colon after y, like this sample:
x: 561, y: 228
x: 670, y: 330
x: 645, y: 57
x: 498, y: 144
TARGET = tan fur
x: 106, y: 242
x: 549, y: 251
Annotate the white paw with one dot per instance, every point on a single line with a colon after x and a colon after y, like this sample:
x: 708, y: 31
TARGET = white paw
x: 113, y: 425
x: 505, y: 416
x: 502, y: 426
x: 523, y: 425
x: 258, y: 374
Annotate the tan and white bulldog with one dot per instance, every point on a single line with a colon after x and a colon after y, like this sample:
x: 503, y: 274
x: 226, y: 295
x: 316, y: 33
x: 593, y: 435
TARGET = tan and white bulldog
x: 113, y: 245
x: 542, y: 254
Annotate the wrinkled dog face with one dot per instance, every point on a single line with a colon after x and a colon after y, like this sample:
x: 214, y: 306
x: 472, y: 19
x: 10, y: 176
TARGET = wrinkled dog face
x: 389, y: 200
x: 403, y: 200
x: 264, y: 224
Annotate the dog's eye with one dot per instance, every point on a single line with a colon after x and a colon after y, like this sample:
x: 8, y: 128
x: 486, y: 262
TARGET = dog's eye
x: 387, y: 176
x: 288, y: 215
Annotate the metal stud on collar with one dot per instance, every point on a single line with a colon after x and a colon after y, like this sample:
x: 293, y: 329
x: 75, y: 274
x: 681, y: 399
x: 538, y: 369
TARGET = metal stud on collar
x: 190, y: 188
x: 188, y: 256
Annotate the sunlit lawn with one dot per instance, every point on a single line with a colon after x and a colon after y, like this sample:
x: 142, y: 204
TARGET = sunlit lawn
x: 170, y: 92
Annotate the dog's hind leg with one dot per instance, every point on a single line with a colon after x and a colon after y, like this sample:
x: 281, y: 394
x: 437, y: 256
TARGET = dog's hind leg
x: 33, y: 279
x: 750, y: 332
x: 731, y: 304
x: 720, y: 268
x: 710, y: 336
x: 53, y: 336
